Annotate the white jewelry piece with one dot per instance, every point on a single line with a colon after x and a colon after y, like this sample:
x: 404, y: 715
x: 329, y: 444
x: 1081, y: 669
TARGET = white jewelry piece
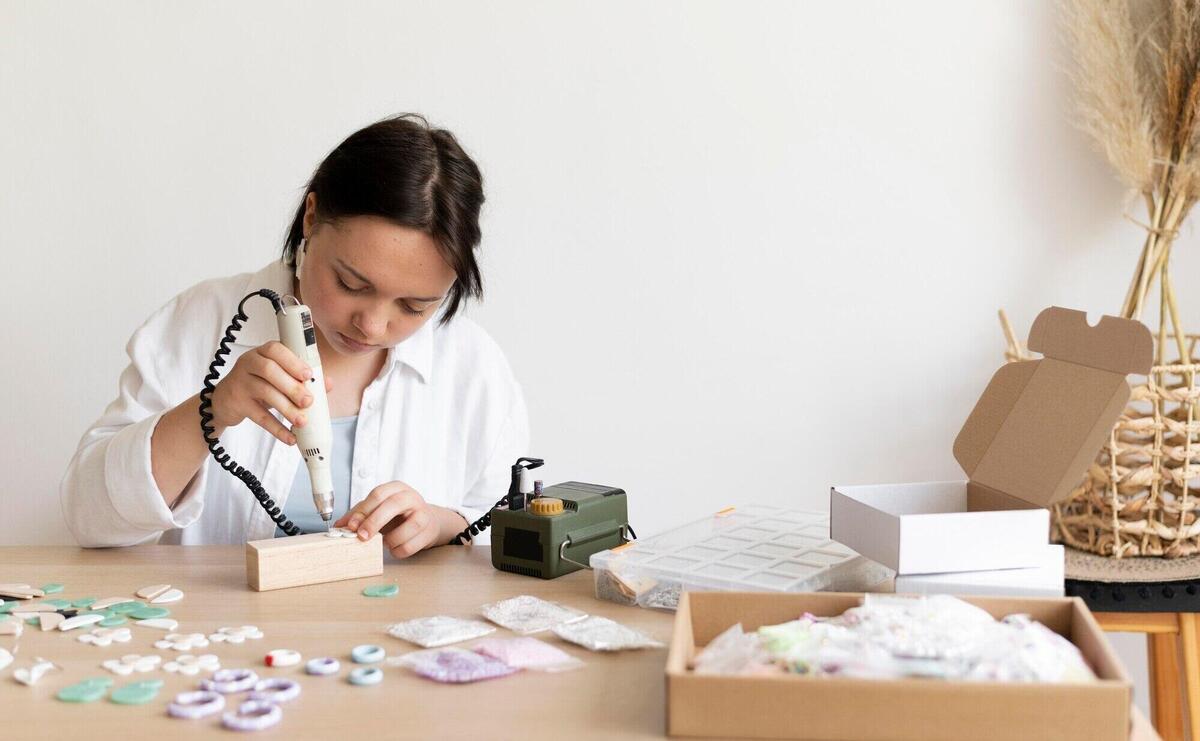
x: 323, y: 666
x: 159, y: 623
x: 106, y: 636
x: 131, y: 663
x: 29, y: 676
x: 236, y: 635
x: 193, y: 665
x: 182, y: 641
x: 282, y: 657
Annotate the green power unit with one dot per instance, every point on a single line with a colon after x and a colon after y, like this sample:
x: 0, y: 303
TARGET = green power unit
x: 593, y: 518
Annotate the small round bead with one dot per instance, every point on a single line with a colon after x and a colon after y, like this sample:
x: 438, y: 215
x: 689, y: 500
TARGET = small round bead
x: 323, y: 666
x: 366, y: 675
x: 282, y: 657
x: 367, y: 654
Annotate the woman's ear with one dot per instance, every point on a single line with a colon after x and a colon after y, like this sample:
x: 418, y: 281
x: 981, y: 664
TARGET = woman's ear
x: 310, y: 213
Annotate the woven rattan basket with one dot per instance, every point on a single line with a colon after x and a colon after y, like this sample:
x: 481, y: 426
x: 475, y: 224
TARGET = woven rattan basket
x: 1142, y: 493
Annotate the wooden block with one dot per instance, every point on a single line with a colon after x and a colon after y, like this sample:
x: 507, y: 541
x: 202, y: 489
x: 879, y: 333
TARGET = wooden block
x: 277, y: 563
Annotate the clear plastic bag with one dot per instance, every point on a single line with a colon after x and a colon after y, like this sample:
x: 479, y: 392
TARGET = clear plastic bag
x: 735, y: 652
x: 439, y: 630
x: 525, y: 614
x: 601, y: 634
x: 528, y: 653
x: 454, y: 665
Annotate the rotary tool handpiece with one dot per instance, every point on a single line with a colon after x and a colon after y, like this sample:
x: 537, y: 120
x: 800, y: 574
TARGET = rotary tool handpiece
x: 297, y: 333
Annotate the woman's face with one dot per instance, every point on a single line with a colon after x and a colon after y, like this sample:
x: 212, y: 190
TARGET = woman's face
x: 370, y: 283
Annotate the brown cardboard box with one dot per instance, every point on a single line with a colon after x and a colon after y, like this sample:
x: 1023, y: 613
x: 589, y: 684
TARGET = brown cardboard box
x: 1033, y: 433
x: 833, y: 709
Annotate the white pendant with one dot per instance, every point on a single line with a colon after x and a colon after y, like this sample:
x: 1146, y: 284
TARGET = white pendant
x: 170, y: 595
x: 79, y: 621
x: 152, y: 591
x: 50, y: 620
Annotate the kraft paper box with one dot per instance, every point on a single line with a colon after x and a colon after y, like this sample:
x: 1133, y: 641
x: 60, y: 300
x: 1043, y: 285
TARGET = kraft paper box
x: 1027, y: 444
x: 840, y: 709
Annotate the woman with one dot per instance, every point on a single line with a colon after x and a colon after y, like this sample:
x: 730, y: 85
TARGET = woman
x: 427, y: 415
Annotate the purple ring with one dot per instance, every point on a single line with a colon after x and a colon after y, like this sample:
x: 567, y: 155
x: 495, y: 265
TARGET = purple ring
x: 228, y: 681
x: 323, y: 666
x: 276, y: 689
x: 196, y: 704
x: 252, y: 715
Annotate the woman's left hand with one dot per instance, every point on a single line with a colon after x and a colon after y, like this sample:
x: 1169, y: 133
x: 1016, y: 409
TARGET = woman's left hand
x: 409, y: 524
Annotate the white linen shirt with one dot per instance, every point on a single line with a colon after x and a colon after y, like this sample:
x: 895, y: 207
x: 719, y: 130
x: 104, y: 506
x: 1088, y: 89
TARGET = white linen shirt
x: 445, y: 415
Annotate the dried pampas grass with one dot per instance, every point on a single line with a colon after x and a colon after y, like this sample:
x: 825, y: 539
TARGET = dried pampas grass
x: 1135, y: 69
x: 1114, y: 108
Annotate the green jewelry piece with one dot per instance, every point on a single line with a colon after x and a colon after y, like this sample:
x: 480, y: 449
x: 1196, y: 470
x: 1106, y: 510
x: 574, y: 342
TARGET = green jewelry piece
x: 382, y: 590
x: 136, y: 693
x: 112, y: 621
x: 53, y: 588
x: 82, y: 692
x: 83, y: 602
x: 124, y: 607
x: 147, y: 613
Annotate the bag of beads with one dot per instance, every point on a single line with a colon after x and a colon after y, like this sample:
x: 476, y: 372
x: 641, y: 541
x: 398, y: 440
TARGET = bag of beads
x: 454, y: 665
x: 597, y: 633
x: 439, y: 630
x: 528, y: 653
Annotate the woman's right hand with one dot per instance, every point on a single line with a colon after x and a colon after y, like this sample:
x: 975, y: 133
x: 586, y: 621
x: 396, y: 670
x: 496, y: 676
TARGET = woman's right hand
x: 268, y: 377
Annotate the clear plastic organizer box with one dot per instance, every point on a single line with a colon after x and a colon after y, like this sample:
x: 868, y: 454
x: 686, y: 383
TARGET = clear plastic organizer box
x: 750, y: 548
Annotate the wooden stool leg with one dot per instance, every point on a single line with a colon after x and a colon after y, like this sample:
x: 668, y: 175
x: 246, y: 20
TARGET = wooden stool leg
x: 1166, y: 703
x: 1189, y: 635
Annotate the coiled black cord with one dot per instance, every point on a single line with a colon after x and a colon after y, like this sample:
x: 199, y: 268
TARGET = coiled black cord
x: 206, y: 417
x: 477, y: 527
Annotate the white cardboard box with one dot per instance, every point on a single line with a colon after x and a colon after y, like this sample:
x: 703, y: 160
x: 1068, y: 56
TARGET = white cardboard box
x: 1027, y: 444
x: 926, y: 528
x: 1043, y: 581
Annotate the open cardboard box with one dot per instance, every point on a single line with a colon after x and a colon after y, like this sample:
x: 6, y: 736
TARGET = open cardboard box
x: 832, y: 709
x: 1027, y: 443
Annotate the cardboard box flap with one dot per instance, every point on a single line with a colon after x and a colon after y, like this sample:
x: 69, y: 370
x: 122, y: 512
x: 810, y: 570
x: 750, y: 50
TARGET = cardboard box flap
x: 1117, y: 345
x: 1040, y: 423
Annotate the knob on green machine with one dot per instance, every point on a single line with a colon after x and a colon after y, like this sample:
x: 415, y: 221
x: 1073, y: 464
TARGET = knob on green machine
x: 546, y: 506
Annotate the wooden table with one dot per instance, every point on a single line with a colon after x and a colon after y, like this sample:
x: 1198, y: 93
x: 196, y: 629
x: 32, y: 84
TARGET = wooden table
x: 613, y: 696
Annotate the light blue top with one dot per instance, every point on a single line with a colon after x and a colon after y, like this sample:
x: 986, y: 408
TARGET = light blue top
x: 299, y: 507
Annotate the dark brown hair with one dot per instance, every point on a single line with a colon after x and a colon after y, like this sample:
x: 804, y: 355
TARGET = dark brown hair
x: 413, y: 175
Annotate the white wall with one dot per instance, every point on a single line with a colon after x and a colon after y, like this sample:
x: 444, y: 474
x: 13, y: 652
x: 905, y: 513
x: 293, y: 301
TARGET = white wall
x: 735, y: 251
